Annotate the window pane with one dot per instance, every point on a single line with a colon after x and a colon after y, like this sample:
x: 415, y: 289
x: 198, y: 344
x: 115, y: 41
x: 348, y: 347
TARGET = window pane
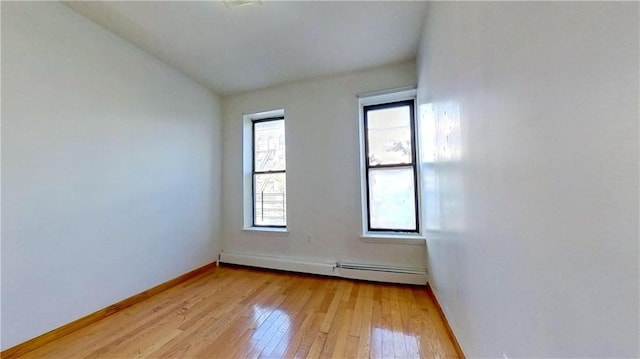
x: 270, y: 199
x: 391, y: 199
x: 269, y: 146
x: 389, y: 135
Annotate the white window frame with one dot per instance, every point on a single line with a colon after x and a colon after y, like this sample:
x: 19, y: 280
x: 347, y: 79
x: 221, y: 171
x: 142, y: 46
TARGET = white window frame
x: 247, y: 169
x: 376, y: 98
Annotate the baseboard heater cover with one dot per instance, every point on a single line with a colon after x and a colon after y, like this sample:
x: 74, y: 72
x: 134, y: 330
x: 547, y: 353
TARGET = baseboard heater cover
x: 380, y: 268
x: 370, y: 272
x: 380, y: 273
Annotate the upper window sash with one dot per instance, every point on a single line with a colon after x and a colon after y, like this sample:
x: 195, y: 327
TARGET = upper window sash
x: 407, y: 147
x: 272, y: 148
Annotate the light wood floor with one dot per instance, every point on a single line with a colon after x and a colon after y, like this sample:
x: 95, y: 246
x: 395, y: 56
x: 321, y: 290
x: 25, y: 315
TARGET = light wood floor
x: 235, y: 312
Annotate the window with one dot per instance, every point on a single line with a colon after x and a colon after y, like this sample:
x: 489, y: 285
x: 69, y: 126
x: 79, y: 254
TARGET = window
x: 390, y: 174
x: 268, y: 173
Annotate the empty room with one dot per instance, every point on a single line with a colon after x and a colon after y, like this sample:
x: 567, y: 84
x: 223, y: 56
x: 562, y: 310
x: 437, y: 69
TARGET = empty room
x: 319, y: 179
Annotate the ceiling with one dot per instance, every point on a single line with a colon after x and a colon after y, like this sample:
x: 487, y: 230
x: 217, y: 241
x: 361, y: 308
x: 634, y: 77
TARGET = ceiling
x: 251, y: 47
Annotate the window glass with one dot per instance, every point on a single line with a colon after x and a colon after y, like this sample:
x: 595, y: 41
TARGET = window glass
x: 269, y: 173
x: 390, y: 168
x: 392, y: 201
x: 389, y: 134
x: 270, y: 199
x: 269, y: 146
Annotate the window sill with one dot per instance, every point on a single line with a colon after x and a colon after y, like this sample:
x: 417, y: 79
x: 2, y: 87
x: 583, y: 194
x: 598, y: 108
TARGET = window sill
x: 392, y: 238
x: 267, y: 230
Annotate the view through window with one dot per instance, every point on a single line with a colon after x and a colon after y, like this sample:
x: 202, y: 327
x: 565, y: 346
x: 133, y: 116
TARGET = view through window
x: 391, y: 176
x: 269, y: 173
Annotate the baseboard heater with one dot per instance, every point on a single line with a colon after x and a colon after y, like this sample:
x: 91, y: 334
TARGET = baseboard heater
x: 381, y: 273
x: 379, y: 268
x: 370, y: 272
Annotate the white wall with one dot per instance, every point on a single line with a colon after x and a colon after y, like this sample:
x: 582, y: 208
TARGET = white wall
x: 323, y: 185
x: 534, y: 251
x: 111, y: 170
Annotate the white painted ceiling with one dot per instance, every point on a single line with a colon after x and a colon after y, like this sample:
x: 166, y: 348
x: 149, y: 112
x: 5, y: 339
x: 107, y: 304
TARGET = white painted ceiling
x: 251, y: 47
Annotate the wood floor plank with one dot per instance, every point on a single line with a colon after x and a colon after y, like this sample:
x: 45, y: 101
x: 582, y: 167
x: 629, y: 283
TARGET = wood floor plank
x: 342, y: 337
x: 405, y: 296
x: 351, y: 351
x: 311, y: 316
x: 375, y: 350
x: 430, y: 342
x: 97, y: 335
x: 333, y: 308
x: 294, y: 308
x: 340, y: 319
x: 309, y: 336
x: 398, y: 332
x: 238, y: 312
x: 148, y: 351
x: 366, y: 317
x: 388, y: 348
x: 205, y: 327
x: 318, y: 344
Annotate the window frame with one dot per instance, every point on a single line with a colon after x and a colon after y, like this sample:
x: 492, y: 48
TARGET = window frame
x: 254, y: 172
x: 247, y: 176
x: 380, y: 100
x: 413, y: 165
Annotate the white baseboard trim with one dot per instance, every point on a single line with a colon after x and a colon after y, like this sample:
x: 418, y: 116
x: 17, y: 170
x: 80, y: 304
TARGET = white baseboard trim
x: 369, y: 272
